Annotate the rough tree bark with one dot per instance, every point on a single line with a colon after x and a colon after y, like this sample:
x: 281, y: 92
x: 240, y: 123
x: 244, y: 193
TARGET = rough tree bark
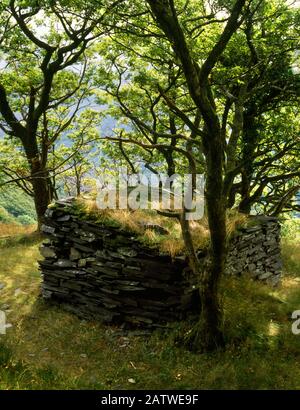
x: 41, y: 184
x: 249, y: 140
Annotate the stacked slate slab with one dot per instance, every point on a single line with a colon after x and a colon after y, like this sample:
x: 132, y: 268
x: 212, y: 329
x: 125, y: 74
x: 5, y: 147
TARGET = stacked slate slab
x: 255, y: 250
x: 105, y: 273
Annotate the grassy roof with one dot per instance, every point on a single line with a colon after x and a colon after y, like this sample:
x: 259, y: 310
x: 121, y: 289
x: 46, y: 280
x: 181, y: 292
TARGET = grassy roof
x: 136, y: 221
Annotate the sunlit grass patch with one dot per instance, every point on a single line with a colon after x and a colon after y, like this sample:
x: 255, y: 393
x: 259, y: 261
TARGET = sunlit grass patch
x: 291, y: 257
x: 51, y: 349
x: 15, y: 229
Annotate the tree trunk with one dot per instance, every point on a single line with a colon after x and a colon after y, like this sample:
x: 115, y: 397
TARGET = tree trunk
x: 41, y: 189
x: 208, y: 333
x: 39, y: 176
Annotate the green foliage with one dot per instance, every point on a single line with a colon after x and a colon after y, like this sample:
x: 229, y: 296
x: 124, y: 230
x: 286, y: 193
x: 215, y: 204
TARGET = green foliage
x: 290, y: 229
x: 25, y: 220
x: 5, y: 217
x: 16, y: 206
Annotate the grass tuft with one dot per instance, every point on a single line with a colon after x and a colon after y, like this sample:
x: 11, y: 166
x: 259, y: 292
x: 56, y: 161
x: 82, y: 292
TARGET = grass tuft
x: 133, y: 221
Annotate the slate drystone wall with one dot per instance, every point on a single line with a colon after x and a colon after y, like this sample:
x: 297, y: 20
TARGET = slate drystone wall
x: 104, y: 273
x: 255, y: 250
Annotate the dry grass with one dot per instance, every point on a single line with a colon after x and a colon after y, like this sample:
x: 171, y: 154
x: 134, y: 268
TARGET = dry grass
x: 133, y: 221
x: 172, y: 246
x: 234, y: 219
x: 14, y: 229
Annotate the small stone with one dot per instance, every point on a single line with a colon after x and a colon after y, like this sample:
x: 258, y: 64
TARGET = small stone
x: 89, y: 237
x: 90, y: 259
x: 47, y: 252
x: 65, y: 263
x: 47, y: 294
x: 81, y: 263
x: 49, y: 212
x: 74, y: 254
x: 5, y: 306
x: 251, y: 267
x: 47, y: 229
x: 64, y: 218
x: 65, y: 201
x: 265, y: 275
x: 131, y: 381
x: 127, y: 252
